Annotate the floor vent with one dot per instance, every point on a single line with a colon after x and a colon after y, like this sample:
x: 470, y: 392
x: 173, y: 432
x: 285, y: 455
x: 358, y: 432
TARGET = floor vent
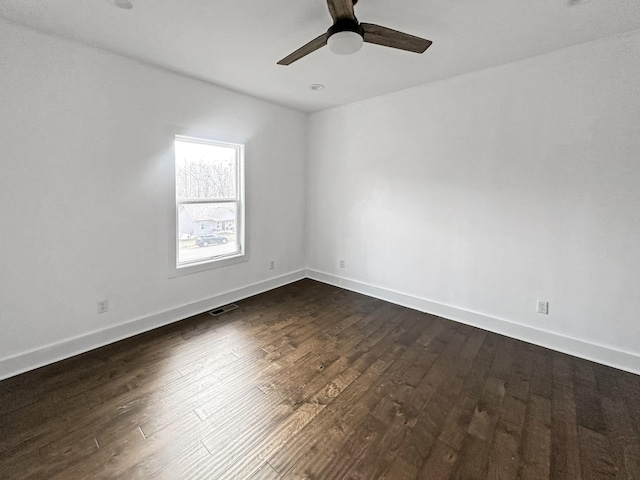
x: 220, y: 310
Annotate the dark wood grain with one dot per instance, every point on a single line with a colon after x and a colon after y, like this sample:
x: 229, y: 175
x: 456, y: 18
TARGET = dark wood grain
x: 535, y: 451
x: 309, y: 381
x: 392, y: 38
x: 565, y: 447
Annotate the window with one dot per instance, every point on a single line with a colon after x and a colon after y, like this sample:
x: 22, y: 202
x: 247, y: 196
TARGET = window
x: 209, y: 207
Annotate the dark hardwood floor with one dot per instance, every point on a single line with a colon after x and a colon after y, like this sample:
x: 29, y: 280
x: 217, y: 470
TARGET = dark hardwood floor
x: 312, y: 382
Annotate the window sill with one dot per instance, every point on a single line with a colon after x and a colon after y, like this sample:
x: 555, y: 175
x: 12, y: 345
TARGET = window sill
x: 203, y: 266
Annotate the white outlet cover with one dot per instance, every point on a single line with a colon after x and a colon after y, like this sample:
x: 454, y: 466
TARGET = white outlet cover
x: 543, y: 307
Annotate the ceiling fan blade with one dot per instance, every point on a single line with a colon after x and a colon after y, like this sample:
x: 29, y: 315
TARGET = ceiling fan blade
x: 310, y: 47
x: 393, y: 38
x: 341, y: 9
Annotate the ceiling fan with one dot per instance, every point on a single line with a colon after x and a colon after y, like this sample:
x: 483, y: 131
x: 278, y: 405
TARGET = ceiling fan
x: 347, y: 34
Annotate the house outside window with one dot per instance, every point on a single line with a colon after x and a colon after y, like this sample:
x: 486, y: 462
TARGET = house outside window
x: 209, y: 201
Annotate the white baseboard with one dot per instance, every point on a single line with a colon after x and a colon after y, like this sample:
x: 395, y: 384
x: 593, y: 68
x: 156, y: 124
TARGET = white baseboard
x: 54, y: 352
x: 580, y: 348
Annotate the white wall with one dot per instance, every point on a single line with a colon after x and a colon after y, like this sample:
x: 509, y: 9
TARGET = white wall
x: 86, y: 203
x: 475, y: 196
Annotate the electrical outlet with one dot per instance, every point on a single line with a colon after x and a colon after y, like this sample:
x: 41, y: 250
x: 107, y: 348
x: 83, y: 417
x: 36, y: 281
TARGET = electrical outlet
x: 543, y: 307
x: 341, y: 263
x: 272, y: 264
x: 103, y: 306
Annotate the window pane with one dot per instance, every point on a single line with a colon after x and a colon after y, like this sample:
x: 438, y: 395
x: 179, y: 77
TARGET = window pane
x: 207, y: 230
x: 205, y: 170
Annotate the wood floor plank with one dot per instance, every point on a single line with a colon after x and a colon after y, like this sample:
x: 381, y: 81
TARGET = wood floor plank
x: 535, y: 457
x: 357, y: 447
x: 49, y: 460
x: 565, y: 445
x: 440, y: 463
x: 265, y: 472
x: 456, y: 422
x: 588, y: 405
x: 630, y: 391
x: 473, y: 459
x: 436, y: 405
x: 279, y: 436
x: 284, y: 459
x: 624, y: 441
x: 187, y: 466
x: 542, y: 374
x: 400, y: 470
x: 516, y: 394
x: 312, y: 459
x: 474, y: 453
x: 309, y: 381
x: 487, y: 410
x: 385, y: 451
x: 595, y: 456
x: 504, y: 456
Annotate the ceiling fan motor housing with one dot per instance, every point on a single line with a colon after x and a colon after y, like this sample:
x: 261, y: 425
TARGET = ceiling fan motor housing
x: 345, y: 25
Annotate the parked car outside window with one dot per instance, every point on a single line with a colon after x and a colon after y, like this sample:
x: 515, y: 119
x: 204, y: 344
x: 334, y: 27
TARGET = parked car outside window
x: 206, y: 240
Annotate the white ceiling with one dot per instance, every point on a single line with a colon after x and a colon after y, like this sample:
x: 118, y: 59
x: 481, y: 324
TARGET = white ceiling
x: 236, y: 43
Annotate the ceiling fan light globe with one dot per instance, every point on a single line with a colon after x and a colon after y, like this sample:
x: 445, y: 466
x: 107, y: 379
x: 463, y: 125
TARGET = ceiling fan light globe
x: 345, y: 43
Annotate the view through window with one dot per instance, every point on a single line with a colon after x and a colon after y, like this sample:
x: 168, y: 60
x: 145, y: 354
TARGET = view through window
x: 208, y: 200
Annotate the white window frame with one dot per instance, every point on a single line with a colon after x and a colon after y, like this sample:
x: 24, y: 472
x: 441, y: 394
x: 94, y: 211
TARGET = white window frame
x: 216, y: 260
